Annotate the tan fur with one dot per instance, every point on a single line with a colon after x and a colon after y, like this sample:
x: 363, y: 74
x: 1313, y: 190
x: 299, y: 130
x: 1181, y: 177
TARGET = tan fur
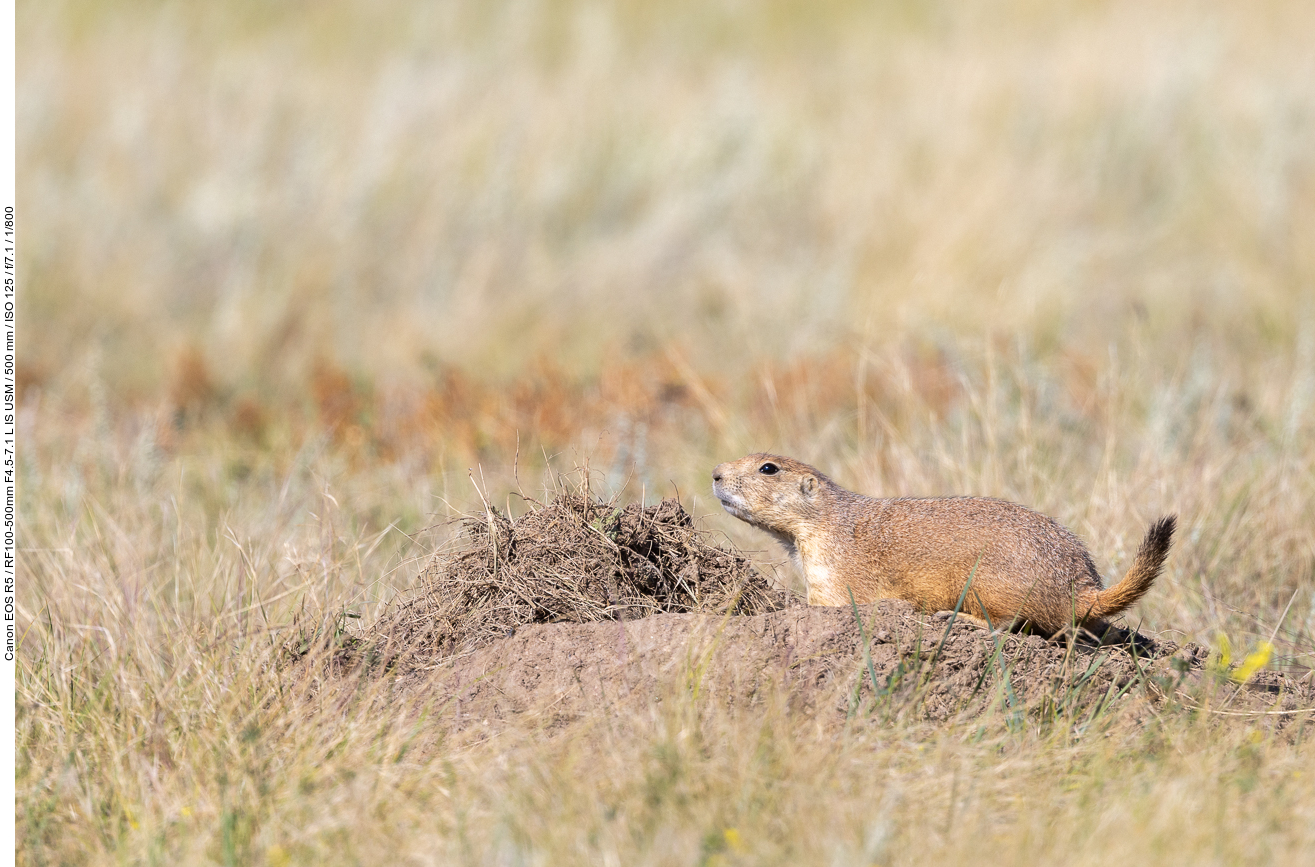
x: 1025, y: 567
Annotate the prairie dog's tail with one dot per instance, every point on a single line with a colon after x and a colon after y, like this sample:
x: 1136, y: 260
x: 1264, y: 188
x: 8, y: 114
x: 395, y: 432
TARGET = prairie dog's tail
x: 1145, y: 569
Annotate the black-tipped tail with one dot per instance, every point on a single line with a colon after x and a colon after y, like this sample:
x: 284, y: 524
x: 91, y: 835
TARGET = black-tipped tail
x: 1145, y: 569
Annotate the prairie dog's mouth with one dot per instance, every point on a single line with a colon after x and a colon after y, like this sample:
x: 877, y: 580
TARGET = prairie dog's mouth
x: 731, y: 502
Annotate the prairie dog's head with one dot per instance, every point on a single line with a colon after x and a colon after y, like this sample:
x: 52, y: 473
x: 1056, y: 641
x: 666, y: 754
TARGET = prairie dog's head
x: 771, y: 492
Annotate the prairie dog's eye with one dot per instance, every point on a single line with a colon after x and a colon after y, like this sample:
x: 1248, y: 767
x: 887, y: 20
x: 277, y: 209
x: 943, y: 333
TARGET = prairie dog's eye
x: 769, y: 469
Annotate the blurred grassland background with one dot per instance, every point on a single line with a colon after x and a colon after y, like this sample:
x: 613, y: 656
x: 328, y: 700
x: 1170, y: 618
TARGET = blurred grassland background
x: 292, y: 269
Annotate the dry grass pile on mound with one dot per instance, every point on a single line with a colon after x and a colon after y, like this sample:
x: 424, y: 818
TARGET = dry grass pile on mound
x: 577, y: 559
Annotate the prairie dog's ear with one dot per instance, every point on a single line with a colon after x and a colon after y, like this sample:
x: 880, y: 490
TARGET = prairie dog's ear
x: 808, y: 485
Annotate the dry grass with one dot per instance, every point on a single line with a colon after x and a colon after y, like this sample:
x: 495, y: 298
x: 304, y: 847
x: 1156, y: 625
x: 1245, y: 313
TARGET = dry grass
x: 292, y: 269
x: 577, y: 559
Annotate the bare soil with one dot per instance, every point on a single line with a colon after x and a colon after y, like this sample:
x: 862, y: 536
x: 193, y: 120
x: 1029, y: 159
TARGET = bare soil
x: 813, y: 658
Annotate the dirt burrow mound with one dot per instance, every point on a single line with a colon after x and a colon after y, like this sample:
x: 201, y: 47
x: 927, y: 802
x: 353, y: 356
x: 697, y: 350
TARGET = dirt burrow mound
x: 576, y: 560
x: 814, y: 660
x: 580, y: 607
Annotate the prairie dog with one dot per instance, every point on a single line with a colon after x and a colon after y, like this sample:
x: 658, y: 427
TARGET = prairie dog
x: 1025, y: 567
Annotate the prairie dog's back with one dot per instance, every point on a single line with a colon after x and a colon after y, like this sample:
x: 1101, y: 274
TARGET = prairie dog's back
x: 1011, y: 551
x: 1023, y: 565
